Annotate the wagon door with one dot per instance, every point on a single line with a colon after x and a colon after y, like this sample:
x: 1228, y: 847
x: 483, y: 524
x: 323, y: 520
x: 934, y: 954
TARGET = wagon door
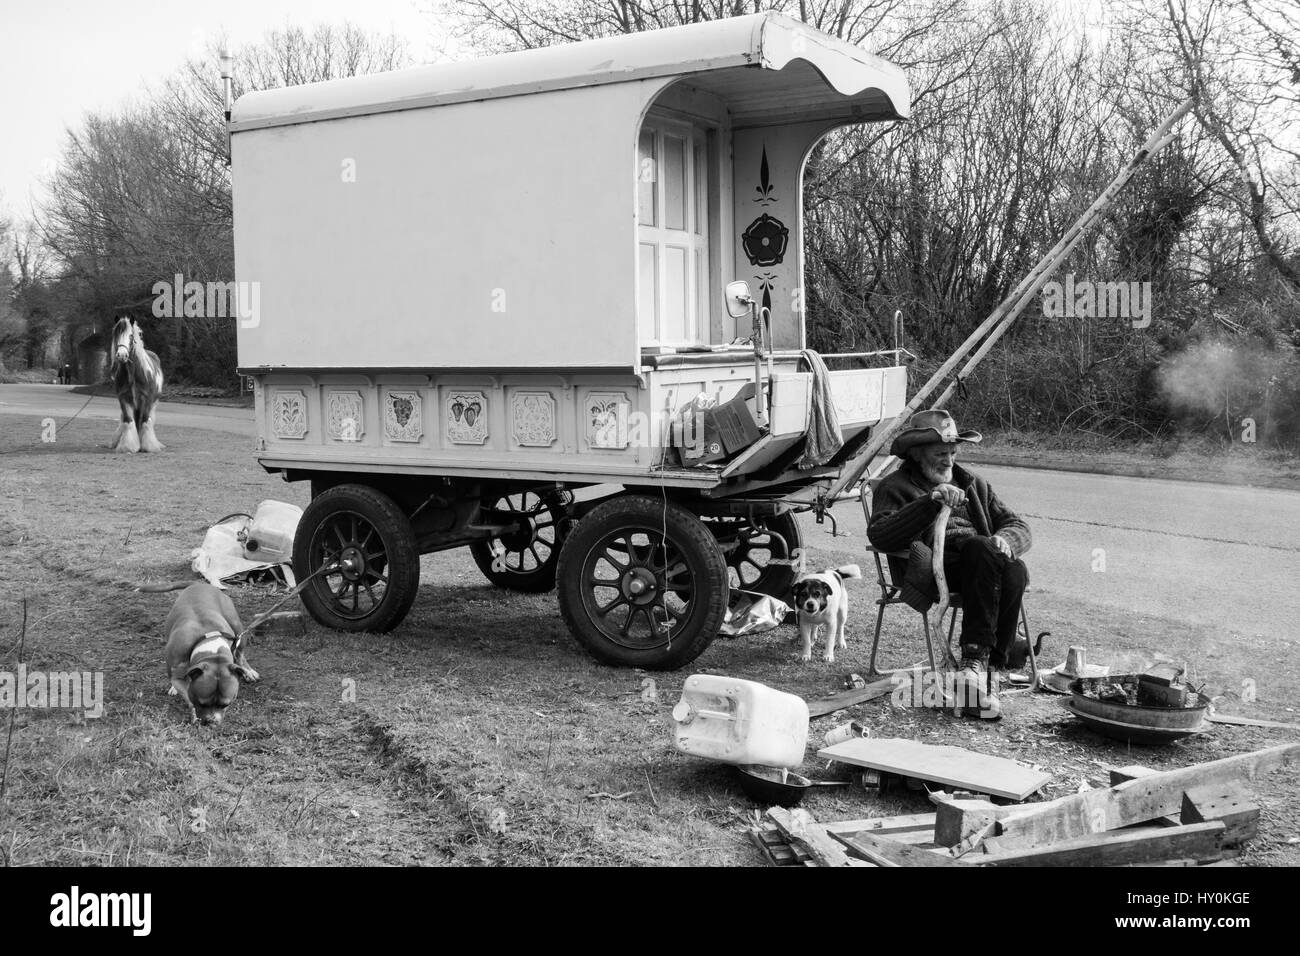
x: 673, y: 234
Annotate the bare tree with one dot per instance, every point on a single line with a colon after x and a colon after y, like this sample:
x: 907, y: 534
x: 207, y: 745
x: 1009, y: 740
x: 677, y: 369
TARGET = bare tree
x: 143, y: 193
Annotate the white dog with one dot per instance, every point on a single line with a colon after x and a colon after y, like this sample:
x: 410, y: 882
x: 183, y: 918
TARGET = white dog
x: 821, y: 601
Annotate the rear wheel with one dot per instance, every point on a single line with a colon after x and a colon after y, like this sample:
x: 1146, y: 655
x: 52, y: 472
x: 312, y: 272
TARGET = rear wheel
x: 525, y: 560
x: 642, y: 583
x: 761, y: 553
x: 366, y: 546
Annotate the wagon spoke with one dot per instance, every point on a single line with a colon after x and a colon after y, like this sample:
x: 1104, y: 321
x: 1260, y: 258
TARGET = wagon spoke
x: 617, y: 602
x: 626, y: 629
x: 609, y: 556
x: 672, y: 574
x: 338, y: 533
x: 536, y: 556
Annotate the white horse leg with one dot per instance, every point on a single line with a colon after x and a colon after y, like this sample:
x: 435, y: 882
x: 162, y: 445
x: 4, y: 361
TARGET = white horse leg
x: 128, y: 438
x: 148, y: 440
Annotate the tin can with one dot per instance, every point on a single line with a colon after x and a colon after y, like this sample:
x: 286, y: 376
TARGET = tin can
x: 837, y: 735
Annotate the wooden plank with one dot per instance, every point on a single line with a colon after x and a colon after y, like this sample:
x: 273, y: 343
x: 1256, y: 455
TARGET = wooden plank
x: 1248, y: 721
x: 1132, y: 772
x: 847, y: 698
x: 952, y: 766
x: 1195, y: 841
x: 883, y: 851
x: 956, y: 820
x: 1135, y: 801
x: 799, y: 827
x: 1230, y: 804
x: 1123, y: 774
x: 774, y: 847
x: 886, y: 826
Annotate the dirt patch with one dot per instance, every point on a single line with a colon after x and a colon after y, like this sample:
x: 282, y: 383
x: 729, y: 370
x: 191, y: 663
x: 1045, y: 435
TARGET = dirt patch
x: 478, y: 732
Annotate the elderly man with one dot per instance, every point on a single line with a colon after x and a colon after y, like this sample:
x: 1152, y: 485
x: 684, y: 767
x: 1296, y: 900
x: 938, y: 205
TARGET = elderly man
x: 982, y: 547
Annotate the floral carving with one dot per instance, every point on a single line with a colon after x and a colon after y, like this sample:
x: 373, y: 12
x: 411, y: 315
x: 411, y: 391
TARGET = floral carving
x: 344, y: 420
x: 606, y: 419
x: 289, y: 415
x: 532, y: 418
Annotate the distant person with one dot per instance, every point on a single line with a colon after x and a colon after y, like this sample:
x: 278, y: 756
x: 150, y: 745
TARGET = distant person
x: 982, y: 547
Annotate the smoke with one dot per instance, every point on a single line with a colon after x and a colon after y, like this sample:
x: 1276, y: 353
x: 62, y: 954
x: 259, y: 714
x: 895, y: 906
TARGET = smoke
x: 1198, y: 379
x: 1244, y: 381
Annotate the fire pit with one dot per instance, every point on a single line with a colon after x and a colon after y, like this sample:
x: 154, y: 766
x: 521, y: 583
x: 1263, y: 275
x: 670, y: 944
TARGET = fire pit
x: 1137, y: 708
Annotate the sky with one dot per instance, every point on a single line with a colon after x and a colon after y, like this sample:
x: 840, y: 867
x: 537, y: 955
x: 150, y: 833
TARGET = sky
x: 62, y: 58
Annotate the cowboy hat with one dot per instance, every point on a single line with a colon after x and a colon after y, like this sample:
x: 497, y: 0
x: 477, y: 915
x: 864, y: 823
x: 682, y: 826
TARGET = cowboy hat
x: 926, y: 428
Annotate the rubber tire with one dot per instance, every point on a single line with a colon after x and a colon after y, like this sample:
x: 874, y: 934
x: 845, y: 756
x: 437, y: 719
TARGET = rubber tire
x: 689, y: 535
x: 541, y: 579
x: 778, y: 579
x: 402, y: 556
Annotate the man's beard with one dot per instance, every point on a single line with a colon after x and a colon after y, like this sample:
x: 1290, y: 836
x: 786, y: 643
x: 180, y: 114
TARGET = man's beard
x: 937, y: 474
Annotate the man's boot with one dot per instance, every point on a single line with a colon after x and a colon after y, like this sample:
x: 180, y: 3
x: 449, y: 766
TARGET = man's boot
x: 975, y: 695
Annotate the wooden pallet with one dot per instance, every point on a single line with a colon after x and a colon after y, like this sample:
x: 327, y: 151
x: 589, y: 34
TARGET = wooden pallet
x: 1195, y: 816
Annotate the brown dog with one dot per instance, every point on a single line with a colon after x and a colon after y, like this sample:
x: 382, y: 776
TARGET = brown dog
x: 202, y: 661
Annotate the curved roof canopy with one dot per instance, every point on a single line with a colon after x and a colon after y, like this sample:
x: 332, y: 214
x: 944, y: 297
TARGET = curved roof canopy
x: 769, y: 68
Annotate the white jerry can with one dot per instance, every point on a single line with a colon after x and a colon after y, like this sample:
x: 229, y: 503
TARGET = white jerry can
x: 741, y: 722
x: 270, y: 533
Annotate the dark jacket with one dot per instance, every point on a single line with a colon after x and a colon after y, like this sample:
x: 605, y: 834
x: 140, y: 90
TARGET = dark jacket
x: 902, y: 511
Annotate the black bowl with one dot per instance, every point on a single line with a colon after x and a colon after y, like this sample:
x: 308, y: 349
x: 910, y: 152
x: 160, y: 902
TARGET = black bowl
x: 763, y: 785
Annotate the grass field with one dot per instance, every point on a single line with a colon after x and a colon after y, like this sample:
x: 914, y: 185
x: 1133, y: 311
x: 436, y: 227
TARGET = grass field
x: 480, y: 733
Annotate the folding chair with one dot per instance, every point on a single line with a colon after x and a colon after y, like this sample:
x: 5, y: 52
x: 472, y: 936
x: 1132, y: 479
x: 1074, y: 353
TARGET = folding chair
x: 891, y: 593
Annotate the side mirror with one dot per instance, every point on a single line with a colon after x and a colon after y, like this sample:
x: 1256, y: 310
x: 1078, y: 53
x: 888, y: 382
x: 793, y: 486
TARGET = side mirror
x: 738, y: 298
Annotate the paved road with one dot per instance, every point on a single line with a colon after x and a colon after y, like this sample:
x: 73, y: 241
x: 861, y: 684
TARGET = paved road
x: 1212, y: 555
x: 61, y: 403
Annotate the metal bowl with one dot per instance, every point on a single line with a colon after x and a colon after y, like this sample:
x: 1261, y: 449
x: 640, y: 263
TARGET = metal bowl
x: 1135, y: 723
x: 784, y: 788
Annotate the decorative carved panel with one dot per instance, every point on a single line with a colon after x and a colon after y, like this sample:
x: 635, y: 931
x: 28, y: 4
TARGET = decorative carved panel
x: 466, y: 416
x: 289, y: 415
x: 532, y: 418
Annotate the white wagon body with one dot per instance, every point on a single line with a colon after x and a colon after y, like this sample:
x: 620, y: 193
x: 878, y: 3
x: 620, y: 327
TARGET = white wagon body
x: 511, y: 270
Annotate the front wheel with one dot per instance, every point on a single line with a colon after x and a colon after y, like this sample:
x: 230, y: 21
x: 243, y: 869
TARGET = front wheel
x: 365, y: 544
x: 642, y: 583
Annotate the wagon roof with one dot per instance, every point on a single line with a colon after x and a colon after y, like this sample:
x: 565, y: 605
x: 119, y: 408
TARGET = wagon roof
x: 769, y: 68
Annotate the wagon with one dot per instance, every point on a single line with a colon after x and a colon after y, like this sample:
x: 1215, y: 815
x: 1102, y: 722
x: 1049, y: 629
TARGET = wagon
x: 548, y: 306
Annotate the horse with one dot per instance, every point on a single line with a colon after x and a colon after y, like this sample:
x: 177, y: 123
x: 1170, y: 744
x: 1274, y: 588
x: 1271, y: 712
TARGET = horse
x: 138, y: 380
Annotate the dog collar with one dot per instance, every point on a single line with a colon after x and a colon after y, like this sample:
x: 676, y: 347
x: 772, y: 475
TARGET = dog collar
x: 211, y: 642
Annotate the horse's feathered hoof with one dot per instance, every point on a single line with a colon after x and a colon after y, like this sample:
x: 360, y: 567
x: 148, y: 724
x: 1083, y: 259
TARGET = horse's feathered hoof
x: 149, y: 441
x: 128, y: 439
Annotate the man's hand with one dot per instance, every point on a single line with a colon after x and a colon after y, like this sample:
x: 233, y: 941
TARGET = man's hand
x: 949, y: 495
x: 1001, y: 544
